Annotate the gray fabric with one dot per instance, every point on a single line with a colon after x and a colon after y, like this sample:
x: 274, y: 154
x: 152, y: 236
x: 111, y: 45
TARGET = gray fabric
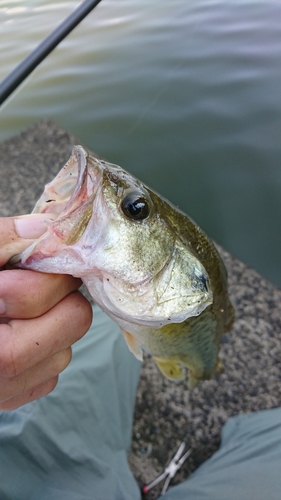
x: 73, y: 444
x: 246, y: 467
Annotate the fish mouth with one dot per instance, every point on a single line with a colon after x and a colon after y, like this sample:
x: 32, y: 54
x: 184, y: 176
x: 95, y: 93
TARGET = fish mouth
x: 73, y: 185
x: 69, y: 199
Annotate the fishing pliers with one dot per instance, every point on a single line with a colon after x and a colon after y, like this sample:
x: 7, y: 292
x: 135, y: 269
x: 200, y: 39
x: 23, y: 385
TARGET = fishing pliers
x: 170, y: 470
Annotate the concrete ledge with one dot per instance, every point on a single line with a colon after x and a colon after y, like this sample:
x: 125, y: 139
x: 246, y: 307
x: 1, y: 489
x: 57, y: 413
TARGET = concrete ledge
x: 167, y: 413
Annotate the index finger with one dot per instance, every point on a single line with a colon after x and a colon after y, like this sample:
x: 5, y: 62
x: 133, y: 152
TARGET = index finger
x: 26, y: 342
x: 28, y: 294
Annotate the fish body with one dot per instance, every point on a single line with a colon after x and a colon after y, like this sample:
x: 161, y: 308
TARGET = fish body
x: 144, y: 262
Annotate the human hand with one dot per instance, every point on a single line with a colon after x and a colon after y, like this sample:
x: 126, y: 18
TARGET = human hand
x: 41, y: 316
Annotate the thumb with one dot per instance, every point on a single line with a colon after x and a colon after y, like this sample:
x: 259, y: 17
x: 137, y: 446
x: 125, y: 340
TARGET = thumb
x: 18, y: 232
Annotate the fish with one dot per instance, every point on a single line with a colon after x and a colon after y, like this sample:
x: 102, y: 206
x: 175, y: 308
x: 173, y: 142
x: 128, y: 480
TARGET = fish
x: 144, y: 262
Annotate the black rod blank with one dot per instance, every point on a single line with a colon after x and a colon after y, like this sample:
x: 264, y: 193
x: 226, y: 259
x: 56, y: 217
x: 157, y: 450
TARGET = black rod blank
x: 18, y: 75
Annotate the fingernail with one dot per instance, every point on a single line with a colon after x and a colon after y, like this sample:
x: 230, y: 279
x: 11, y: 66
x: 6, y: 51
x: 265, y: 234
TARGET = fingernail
x: 2, y: 306
x: 32, y: 226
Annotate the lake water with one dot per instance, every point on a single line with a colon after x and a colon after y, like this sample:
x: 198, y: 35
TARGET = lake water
x: 185, y: 94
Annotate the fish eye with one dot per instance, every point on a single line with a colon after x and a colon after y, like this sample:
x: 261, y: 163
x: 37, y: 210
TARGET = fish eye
x: 135, y: 206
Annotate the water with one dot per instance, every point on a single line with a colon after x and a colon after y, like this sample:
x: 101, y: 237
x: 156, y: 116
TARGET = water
x: 185, y: 94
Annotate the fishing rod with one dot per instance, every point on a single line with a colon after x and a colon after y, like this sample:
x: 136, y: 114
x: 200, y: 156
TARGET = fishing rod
x: 23, y: 70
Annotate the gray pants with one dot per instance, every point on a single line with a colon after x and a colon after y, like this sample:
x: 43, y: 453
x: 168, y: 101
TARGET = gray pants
x: 73, y: 444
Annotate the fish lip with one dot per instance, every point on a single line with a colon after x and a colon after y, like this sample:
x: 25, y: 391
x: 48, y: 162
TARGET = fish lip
x: 89, y: 173
x: 63, y: 190
x: 84, y: 174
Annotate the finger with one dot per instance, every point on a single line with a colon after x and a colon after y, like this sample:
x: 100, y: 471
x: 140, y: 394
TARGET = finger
x: 27, y: 294
x: 11, y: 243
x: 18, y: 232
x: 11, y: 387
x: 26, y: 342
x: 28, y: 396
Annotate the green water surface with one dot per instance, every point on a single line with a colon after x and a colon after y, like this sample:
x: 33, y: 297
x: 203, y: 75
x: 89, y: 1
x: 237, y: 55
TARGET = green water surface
x: 184, y: 94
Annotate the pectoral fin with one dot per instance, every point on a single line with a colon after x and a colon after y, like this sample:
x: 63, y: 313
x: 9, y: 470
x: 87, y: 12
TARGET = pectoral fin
x: 132, y: 344
x: 169, y: 368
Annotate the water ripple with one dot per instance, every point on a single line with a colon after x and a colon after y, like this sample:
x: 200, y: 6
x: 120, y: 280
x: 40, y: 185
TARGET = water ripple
x: 184, y: 94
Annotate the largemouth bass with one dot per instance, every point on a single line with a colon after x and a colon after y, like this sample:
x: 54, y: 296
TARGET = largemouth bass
x: 144, y: 262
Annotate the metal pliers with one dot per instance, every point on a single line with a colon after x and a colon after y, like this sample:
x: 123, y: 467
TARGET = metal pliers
x: 170, y: 470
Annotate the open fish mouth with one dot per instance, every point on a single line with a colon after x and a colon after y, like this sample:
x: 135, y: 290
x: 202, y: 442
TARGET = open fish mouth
x: 69, y: 198
x: 73, y: 185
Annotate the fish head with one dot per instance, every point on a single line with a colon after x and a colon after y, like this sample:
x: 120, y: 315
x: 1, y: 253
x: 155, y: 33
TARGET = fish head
x: 115, y: 234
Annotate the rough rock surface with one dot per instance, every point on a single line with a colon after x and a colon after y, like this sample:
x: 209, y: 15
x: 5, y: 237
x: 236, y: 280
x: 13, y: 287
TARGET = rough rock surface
x: 167, y: 413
